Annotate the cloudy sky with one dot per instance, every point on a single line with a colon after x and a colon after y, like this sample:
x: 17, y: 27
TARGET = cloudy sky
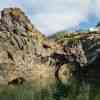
x: 50, y: 16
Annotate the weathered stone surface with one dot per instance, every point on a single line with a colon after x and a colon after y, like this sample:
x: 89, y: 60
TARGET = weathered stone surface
x: 84, y: 49
x: 27, y: 54
x: 65, y: 73
x: 21, y: 50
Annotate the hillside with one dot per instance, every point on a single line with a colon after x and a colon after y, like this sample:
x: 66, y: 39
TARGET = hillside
x: 22, y: 53
x: 26, y: 53
x: 29, y: 57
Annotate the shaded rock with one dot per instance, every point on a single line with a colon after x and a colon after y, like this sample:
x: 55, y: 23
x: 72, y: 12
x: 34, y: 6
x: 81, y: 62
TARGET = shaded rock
x: 65, y: 73
x: 26, y: 53
x: 82, y: 48
x: 17, y: 81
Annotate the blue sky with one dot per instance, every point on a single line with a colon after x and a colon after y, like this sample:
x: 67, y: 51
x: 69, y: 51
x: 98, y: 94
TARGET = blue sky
x: 51, y: 16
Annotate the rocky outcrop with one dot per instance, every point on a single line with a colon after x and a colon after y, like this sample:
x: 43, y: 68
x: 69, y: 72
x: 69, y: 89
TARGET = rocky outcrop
x: 22, y: 51
x: 28, y: 56
x: 85, y: 46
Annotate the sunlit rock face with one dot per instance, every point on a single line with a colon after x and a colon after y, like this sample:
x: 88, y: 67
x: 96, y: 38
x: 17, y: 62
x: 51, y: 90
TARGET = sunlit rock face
x: 22, y: 53
x: 28, y: 56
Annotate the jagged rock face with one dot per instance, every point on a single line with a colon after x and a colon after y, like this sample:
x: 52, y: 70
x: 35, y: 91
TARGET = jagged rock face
x: 85, y: 47
x: 76, y: 55
x: 13, y: 20
x: 26, y: 54
x: 22, y: 53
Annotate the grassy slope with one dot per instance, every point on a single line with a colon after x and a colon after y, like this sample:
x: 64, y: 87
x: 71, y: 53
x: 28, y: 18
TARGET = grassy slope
x: 74, y: 91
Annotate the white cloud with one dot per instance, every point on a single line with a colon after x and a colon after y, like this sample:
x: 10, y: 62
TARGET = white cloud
x: 56, y: 15
x: 51, y: 23
x: 97, y: 8
x: 52, y: 15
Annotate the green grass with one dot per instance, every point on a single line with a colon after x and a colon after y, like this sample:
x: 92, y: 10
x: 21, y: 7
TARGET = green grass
x: 74, y: 91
